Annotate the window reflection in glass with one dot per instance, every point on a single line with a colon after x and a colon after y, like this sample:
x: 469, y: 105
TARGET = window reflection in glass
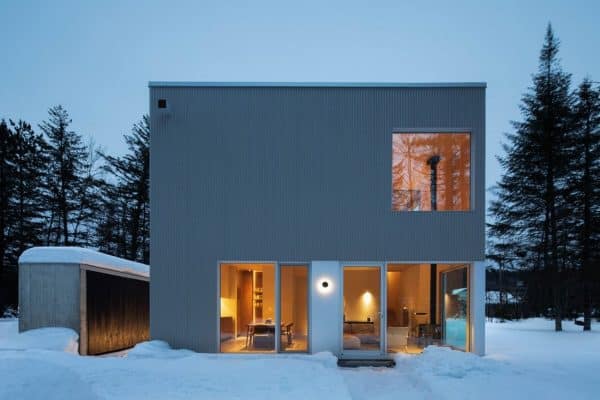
x: 431, y: 171
x: 455, y: 298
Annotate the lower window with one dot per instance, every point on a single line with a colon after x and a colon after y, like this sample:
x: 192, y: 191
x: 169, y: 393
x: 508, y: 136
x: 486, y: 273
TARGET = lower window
x: 249, y: 308
x: 455, y: 307
x: 247, y: 322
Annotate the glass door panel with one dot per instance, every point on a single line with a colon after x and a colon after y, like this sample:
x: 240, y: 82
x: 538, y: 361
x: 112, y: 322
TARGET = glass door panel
x: 454, y: 307
x: 362, y: 309
x: 293, y: 308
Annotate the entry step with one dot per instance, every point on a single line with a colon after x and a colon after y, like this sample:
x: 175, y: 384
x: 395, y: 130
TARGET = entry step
x: 354, y: 363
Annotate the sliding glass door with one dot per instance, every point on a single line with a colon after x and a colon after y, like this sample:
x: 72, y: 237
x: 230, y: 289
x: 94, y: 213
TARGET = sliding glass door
x: 293, y: 306
x: 455, y: 307
x: 362, y: 309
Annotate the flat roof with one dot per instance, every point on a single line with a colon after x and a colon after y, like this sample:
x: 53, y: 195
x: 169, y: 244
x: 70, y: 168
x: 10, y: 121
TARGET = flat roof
x: 318, y: 84
x: 82, y: 256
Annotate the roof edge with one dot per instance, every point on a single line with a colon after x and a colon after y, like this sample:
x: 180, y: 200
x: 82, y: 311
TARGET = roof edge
x: 82, y: 256
x: 152, y: 84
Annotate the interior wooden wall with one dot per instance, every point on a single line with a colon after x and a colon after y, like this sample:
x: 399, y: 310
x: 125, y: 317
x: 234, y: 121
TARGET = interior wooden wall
x: 244, y: 301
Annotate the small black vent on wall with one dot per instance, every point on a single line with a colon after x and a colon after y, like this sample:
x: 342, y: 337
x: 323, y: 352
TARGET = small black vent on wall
x: 162, y: 103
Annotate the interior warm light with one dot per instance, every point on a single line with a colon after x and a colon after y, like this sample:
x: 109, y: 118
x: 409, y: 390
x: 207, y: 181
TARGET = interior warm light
x: 227, y: 307
x: 367, y: 298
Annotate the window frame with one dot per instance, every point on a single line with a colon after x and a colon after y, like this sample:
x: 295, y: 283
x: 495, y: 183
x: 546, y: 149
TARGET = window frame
x: 277, y: 265
x: 440, y: 295
x: 472, y: 144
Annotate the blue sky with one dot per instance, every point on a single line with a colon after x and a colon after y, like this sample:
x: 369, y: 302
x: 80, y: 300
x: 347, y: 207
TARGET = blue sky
x: 96, y: 58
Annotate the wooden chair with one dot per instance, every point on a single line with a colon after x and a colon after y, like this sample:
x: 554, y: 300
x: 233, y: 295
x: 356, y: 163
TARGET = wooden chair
x: 260, y: 330
x: 286, y: 330
x: 249, y: 335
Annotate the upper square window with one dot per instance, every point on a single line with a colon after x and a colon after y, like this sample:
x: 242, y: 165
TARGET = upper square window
x: 431, y: 171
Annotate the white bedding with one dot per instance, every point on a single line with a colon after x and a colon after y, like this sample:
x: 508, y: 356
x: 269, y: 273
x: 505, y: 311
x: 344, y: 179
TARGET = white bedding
x: 351, y: 342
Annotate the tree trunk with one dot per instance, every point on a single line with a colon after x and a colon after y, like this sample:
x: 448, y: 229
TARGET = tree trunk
x: 557, y: 320
x: 551, y: 215
x: 587, y: 230
x: 587, y: 314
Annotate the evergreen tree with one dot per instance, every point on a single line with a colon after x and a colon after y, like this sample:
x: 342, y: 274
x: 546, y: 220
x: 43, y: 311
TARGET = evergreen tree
x: 584, y: 185
x: 71, y: 182
x: 531, y: 210
x: 30, y: 162
x: 125, y: 226
x: 22, y: 168
x: 6, y: 188
x: 111, y: 235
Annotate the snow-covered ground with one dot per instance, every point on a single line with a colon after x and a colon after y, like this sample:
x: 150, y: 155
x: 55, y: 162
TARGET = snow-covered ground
x: 525, y: 360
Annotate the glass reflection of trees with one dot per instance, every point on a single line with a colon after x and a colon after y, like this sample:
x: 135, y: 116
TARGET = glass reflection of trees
x: 412, y: 174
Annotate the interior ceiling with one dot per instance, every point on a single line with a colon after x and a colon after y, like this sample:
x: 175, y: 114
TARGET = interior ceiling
x: 251, y: 266
x: 403, y: 267
x: 390, y: 267
x: 360, y: 268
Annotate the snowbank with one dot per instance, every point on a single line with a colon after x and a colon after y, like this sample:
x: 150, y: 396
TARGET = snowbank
x: 56, y: 339
x: 79, y: 255
x: 158, y: 349
x: 445, y: 362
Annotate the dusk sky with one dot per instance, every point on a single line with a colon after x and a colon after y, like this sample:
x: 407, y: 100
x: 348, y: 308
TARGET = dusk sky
x: 96, y: 59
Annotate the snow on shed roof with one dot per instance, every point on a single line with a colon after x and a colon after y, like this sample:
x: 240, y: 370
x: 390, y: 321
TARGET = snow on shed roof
x: 80, y: 255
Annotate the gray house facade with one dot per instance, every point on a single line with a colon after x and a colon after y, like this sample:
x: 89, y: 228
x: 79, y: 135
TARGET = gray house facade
x: 317, y: 217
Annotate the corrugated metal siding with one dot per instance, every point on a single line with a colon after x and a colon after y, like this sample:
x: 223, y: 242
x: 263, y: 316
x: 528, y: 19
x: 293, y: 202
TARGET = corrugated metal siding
x: 291, y: 173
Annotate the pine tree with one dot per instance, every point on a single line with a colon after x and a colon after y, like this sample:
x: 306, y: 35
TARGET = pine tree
x: 22, y: 168
x: 530, y: 210
x: 6, y: 188
x: 584, y: 185
x: 126, y: 231
x: 71, y: 182
x: 111, y: 235
x: 30, y: 162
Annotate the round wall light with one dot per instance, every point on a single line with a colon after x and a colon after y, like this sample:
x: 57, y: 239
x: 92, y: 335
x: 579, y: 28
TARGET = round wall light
x: 324, y: 285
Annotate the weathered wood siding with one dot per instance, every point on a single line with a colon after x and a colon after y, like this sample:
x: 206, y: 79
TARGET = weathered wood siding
x: 117, y: 312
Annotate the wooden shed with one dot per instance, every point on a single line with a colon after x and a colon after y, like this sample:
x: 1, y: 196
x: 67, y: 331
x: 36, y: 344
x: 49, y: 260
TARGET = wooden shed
x: 104, y: 298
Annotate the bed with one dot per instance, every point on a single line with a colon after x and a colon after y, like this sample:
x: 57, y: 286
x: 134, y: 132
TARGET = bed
x: 358, y: 334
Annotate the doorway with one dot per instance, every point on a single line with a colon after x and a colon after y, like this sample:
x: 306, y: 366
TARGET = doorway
x: 363, y: 319
x: 293, y: 307
x: 455, y: 307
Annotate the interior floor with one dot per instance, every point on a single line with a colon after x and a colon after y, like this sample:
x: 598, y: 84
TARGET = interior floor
x: 422, y: 302
x: 239, y: 345
x: 407, y: 349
